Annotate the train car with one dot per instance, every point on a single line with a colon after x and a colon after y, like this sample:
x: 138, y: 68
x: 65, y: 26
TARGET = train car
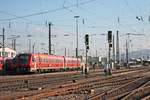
x: 43, y: 62
x: 38, y: 62
x: 72, y: 63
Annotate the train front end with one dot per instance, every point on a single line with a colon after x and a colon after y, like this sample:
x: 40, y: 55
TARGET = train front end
x: 23, y: 63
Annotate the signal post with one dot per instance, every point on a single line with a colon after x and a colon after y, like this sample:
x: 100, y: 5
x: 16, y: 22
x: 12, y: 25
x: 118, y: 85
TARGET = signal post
x: 87, y: 48
x: 108, y: 69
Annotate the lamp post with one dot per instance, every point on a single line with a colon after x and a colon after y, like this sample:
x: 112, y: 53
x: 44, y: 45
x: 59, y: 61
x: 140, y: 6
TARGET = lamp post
x: 33, y: 47
x: 76, y: 17
x: 29, y: 43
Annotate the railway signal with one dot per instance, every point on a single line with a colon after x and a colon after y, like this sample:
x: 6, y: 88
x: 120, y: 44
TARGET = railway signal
x: 87, y: 41
x: 108, y: 71
x: 87, y: 48
x: 109, y: 36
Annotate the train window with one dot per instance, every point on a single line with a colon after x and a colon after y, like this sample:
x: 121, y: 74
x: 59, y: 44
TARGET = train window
x: 42, y: 60
x: 37, y: 59
x: 46, y: 59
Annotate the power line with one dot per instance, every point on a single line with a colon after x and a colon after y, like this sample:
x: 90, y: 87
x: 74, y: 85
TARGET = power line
x: 48, y: 11
x: 12, y: 15
x: 29, y: 21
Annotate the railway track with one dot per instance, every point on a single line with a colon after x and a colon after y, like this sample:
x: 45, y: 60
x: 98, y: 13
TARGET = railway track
x: 32, y: 81
x: 139, y: 93
x: 134, y: 90
x: 87, y: 85
x: 72, y: 80
x: 120, y: 92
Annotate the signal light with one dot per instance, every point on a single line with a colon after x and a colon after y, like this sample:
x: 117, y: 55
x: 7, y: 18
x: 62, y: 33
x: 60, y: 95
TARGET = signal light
x: 86, y: 39
x: 110, y: 45
x: 109, y: 36
x: 87, y: 47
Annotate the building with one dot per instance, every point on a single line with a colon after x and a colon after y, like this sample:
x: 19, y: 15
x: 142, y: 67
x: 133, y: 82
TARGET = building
x: 8, y: 53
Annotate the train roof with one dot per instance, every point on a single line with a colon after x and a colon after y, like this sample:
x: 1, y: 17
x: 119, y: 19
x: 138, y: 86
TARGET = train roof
x: 39, y: 54
x: 53, y: 56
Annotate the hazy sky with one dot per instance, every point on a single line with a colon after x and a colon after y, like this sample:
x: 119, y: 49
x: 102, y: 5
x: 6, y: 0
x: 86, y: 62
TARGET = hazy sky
x: 96, y: 17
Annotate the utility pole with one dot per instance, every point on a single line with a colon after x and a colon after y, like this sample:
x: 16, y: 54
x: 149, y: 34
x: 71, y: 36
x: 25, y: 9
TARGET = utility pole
x: 50, y: 24
x: 3, y: 50
x: 65, y: 52
x: 113, y: 51
x: 29, y: 45
x: 33, y: 46
x: 127, y: 54
x: 128, y: 49
x: 86, y: 62
x: 117, y: 50
x: 96, y: 54
x: 14, y: 44
x: 76, y: 17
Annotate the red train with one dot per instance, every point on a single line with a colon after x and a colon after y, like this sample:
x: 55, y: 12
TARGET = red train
x: 5, y: 64
x: 1, y: 64
x: 44, y: 62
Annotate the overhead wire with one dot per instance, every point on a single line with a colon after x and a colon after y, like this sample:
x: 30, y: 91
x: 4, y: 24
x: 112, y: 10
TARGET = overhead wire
x: 27, y: 20
x: 33, y: 23
x: 48, y: 11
